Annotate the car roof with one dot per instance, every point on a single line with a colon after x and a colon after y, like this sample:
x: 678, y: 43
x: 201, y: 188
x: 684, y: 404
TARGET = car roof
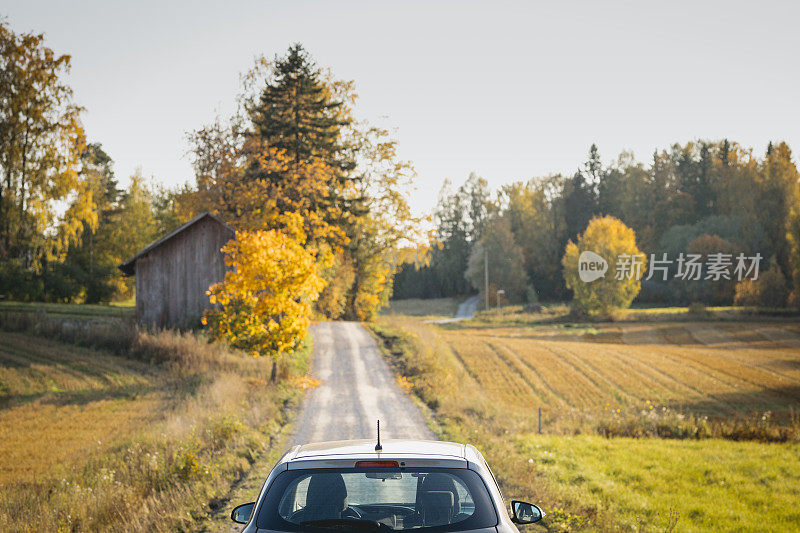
x: 366, y: 449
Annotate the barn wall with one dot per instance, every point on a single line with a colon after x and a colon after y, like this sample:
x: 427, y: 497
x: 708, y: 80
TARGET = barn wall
x: 172, y: 279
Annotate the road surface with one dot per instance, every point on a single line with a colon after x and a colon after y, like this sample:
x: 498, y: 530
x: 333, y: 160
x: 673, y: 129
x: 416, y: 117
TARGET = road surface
x: 357, y: 388
x: 466, y: 309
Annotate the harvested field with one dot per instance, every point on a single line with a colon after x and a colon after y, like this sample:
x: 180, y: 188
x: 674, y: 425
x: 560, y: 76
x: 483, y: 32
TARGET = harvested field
x: 714, y: 369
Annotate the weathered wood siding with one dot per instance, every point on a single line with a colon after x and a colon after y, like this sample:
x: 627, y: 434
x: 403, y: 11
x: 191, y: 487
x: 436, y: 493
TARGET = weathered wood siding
x: 172, y: 279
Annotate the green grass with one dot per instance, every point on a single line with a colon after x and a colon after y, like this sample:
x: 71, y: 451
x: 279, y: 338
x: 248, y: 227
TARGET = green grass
x: 429, y: 308
x: 114, y: 310
x: 710, y: 485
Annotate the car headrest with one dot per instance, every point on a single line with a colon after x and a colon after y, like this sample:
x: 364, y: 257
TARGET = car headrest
x: 327, y: 489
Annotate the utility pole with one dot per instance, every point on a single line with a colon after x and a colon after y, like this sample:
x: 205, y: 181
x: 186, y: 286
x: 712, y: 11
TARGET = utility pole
x: 486, y: 278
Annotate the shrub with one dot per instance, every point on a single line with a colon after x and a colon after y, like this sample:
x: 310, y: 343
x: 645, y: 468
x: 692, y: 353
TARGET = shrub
x: 769, y: 290
x: 609, y: 238
x: 697, y: 308
x: 710, y: 292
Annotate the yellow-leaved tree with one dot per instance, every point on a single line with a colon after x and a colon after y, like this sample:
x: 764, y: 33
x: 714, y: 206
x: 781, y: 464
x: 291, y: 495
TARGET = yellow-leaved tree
x: 263, y: 306
x: 616, y: 288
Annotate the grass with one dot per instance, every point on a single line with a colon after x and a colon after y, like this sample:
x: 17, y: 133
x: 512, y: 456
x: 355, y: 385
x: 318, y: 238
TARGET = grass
x: 428, y: 308
x: 652, y: 484
x: 105, y: 427
x: 559, y: 313
x: 729, y: 390
x: 114, y: 310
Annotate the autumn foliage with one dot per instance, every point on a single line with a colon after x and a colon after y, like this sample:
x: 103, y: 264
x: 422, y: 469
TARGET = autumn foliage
x: 609, y: 238
x: 264, y: 303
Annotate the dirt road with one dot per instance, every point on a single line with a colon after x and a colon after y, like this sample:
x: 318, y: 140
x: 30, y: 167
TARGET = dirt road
x: 357, y: 389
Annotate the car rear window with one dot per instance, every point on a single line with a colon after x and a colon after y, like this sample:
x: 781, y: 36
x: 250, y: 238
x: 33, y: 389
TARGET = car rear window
x: 424, y: 500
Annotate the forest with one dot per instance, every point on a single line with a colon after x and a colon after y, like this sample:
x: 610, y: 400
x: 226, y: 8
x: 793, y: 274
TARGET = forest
x: 700, y: 197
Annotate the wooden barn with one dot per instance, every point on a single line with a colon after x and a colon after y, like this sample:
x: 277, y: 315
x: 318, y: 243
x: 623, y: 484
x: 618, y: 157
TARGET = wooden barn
x: 174, y: 272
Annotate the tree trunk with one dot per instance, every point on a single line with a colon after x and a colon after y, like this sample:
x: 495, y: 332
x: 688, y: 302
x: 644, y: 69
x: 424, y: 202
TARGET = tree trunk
x: 274, y: 375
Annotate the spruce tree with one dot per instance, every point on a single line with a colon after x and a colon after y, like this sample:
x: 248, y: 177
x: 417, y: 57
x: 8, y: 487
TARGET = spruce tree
x: 297, y: 113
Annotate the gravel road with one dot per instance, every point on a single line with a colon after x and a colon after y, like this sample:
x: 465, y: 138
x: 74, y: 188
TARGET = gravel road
x: 357, y: 389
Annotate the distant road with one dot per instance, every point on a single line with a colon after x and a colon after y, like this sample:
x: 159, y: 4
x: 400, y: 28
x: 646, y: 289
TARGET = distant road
x: 466, y: 309
x: 358, y: 388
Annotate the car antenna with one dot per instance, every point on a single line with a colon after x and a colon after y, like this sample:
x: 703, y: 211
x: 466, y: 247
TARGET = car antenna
x: 378, y: 446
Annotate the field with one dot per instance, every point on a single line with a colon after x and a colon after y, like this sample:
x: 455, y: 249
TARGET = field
x: 683, y: 425
x: 104, y: 427
x: 719, y: 370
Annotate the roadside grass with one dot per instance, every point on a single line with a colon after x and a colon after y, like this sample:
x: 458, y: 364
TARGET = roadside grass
x: 428, y: 308
x: 705, y: 388
x: 105, y: 427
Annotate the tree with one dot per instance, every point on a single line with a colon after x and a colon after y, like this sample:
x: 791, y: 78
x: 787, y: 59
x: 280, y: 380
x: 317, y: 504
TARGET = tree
x: 380, y: 187
x: 627, y: 192
x: 793, y: 238
x: 298, y: 114
x: 294, y: 148
x: 92, y: 261
x: 506, y: 262
x: 769, y: 290
x: 580, y: 194
x: 710, y: 291
x: 537, y: 221
x: 41, y: 142
x: 779, y: 195
x: 610, y: 239
x: 263, y: 305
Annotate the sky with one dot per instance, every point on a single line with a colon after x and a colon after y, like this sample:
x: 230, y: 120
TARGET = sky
x: 509, y: 90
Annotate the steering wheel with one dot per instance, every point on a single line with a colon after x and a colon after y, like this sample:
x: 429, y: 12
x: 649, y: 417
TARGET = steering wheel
x: 351, y: 512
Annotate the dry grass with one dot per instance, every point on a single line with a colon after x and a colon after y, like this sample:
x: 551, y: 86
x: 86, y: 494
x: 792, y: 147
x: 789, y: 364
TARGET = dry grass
x: 683, y: 380
x: 145, y: 431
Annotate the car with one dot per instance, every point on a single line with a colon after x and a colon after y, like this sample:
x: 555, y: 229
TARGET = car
x: 356, y: 485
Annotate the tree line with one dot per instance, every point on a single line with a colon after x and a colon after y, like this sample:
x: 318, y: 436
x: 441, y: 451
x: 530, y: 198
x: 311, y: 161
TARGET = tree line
x: 697, y: 197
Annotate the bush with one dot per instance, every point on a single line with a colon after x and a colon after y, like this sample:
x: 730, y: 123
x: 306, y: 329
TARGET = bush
x: 609, y: 238
x: 769, y: 290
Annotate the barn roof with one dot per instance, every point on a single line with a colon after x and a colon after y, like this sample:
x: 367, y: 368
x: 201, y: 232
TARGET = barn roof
x: 128, y: 266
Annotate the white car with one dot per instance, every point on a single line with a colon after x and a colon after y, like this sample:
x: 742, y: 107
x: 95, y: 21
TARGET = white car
x: 425, y: 486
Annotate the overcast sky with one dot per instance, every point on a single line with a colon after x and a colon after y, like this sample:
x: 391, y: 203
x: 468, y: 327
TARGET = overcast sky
x: 510, y: 90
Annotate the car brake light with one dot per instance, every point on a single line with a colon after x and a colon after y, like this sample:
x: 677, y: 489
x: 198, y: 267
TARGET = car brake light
x: 377, y: 464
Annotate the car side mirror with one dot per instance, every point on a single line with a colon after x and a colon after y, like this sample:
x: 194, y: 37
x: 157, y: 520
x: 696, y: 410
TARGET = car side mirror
x: 525, y: 513
x: 241, y: 513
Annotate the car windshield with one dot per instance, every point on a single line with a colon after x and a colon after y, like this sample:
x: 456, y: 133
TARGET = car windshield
x: 429, y: 500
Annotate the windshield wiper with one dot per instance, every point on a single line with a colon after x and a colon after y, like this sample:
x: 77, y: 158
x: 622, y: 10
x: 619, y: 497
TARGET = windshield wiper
x: 340, y: 524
